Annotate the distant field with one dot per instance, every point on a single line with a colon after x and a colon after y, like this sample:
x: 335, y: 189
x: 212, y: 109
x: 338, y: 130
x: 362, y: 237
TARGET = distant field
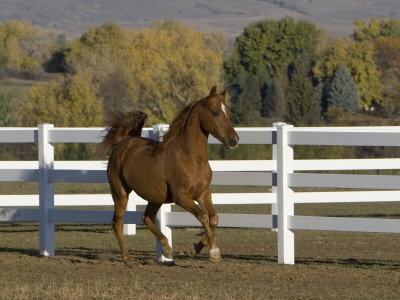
x: 16, y: 87
x: 16, y: 83
x: 74, y: 17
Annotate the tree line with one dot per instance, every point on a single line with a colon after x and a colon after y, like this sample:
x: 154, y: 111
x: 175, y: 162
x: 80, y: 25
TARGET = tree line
x: 282, y: 70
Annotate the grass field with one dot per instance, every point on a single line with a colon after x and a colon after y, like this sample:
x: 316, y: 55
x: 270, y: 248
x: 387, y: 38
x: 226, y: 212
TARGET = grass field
x: 87, y: 265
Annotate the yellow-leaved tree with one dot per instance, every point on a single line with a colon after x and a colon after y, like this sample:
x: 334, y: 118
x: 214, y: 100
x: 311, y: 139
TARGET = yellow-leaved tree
x: 25, y: 46
x: 109, y: 69
x: 157, y: 70
x: 358, y: 56
x: 67, y: 102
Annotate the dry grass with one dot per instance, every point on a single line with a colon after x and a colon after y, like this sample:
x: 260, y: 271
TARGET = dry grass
x: 329, y: 265
x: 87, y: 265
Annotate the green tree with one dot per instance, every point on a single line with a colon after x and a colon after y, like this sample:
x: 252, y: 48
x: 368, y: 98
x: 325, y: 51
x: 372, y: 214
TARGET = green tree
x: 279, y: 94
x: 268, y: 89
x: 272, y: 45
x: 342, y: 91
x: 302, y: 107
x: 263, y: 51
x: 246, y: 100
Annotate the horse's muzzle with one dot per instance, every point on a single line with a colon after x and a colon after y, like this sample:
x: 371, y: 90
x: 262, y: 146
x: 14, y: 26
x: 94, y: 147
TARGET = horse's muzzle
x: 231, y: 142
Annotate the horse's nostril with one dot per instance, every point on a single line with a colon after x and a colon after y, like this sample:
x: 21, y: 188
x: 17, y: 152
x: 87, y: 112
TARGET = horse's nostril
x: 234, y: 141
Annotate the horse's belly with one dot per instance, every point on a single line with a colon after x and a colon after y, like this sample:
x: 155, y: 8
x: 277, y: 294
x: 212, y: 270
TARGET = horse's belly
x: 149, y: 189
x: 147, y: 180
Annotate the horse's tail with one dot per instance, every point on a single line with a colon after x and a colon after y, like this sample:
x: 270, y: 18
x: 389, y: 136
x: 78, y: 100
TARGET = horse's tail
x: 120, y: 126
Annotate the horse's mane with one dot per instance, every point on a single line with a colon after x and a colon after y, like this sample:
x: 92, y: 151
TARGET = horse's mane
x: 178, y: 124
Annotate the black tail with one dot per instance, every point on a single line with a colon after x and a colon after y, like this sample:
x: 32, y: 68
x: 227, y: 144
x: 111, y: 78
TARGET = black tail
x: 121, y: 126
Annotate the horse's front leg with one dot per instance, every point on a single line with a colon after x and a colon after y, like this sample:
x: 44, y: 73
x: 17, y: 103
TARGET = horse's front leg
x: 206, y: 203
x: 209, y: 223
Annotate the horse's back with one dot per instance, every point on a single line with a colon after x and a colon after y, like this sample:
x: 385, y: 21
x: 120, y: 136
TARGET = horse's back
x: 136, y: 162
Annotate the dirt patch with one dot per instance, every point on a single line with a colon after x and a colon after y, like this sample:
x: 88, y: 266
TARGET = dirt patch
x: 87, y: 265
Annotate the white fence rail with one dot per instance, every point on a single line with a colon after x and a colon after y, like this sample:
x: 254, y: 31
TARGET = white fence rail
x: 282, y: 173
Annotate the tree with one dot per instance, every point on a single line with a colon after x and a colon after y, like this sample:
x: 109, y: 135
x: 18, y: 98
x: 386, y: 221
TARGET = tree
x: 263, y: 51
x: 302, y: 107
x: 157, y: 70
x: 3, y: 56
x: 331, y: 57
x: 365, y: 74
x: 359, y: 60
x: 26, y: 47
x: 175, y: 66
x: 246, y: 100
x: 362, y: 32
x: 68, y: 102
x: 387, y: 57
x: 342, y: 91
x: 281, y: 86
x: 268, y: 89
x: 272, y: 45
x: 376, y: 28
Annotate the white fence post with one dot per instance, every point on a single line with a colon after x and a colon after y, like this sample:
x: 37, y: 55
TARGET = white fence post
x: 167, y: 231
x: 274, y: 206
x: 46, y: 191
x: 158, y: 131
x: 284, y: 196
x: 130, y: 229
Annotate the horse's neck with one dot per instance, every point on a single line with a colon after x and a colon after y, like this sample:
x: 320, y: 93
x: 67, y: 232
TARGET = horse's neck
x: 194, y: 141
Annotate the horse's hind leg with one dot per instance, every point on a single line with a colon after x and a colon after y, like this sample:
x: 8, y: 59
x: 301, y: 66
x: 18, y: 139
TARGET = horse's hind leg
x: 120, y: 197
x: 149, y: 218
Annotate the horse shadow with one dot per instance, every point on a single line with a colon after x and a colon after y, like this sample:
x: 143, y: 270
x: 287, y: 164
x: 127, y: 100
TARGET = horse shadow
x: 182, y: 259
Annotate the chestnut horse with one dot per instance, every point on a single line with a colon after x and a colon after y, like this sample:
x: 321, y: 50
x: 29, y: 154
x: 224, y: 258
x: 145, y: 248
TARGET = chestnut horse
x: 175, y: 170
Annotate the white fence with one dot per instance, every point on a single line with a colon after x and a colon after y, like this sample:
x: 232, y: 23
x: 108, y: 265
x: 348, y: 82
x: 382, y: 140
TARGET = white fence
x: 282, y: 173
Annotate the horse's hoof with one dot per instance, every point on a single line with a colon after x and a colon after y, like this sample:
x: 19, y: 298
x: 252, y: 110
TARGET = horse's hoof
x: 129, y: 263
x: 195, y: 250
x: 167, y: 253
x: 215, y: 255
x: 192, y: 253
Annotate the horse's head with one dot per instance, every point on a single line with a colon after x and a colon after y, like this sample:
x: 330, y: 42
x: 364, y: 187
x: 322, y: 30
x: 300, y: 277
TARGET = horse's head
x: 214, y: 119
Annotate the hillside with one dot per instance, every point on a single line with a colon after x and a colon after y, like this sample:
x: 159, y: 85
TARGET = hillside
x: 75, y: 16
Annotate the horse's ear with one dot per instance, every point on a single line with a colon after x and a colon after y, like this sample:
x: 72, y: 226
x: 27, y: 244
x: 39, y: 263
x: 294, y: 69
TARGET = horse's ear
x: 213, y: 91
x: 224, y: 92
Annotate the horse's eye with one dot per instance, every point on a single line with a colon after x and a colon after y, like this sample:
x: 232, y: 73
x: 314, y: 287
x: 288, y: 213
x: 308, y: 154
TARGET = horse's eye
x: 215, y: 113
